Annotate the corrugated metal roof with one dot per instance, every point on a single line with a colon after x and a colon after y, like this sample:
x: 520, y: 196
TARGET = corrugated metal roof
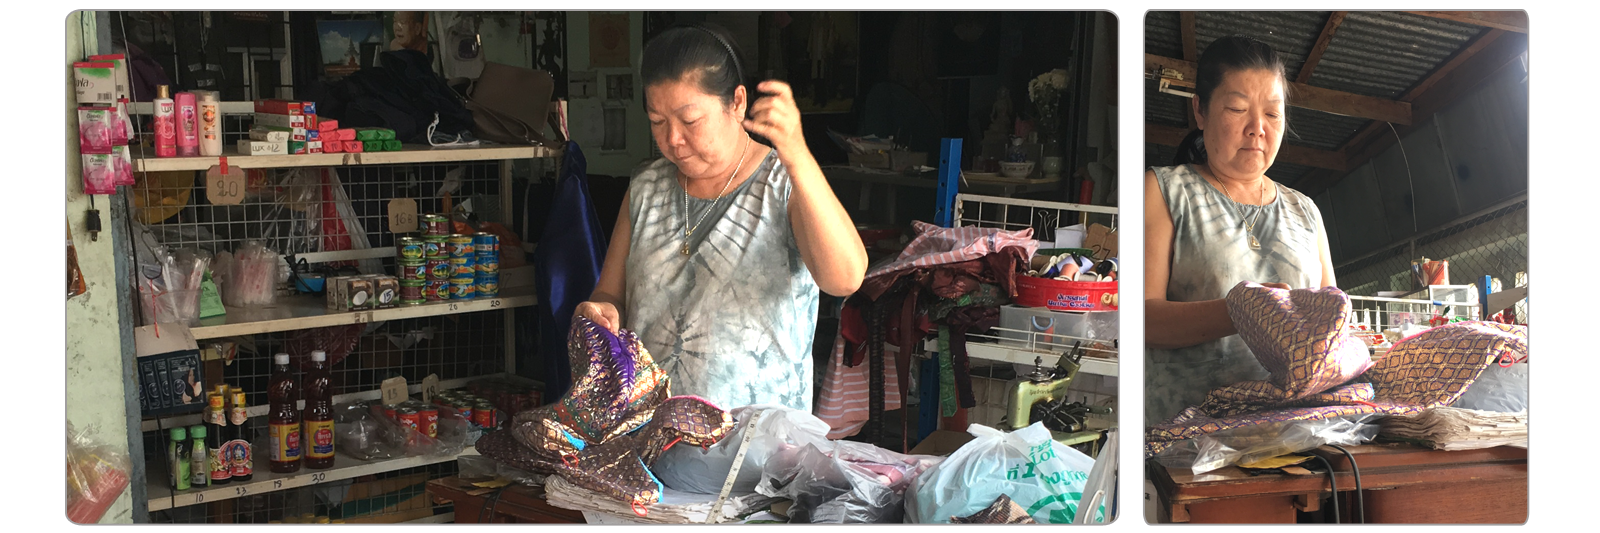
x: 1290, y: 33
x: 1162, y: 108
x: 1162, y: 35
x: 1386, y: 53
x: 1321, y: 130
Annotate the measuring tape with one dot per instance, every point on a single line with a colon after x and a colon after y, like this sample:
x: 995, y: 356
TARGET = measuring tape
x: 733, y: 474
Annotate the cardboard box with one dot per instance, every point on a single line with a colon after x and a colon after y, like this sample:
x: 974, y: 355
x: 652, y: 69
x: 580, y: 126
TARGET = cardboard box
x: 942, y: 442
x: 872, y: 160
x: 248, y: 147
x: 280, y: 121
x: 277, y: 135
x: 279, y: 107
x: 386, y: 501
x: 1102, y: 240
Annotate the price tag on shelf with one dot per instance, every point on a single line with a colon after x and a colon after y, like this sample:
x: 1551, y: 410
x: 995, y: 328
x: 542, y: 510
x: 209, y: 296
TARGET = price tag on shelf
x: 430, y: 387
x: 225, y: 186
x: 402, y: 215
x: 394, y: 390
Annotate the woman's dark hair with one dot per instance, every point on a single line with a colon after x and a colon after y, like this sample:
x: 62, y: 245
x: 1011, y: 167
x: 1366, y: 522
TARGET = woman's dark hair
x: 1226, y: 55
x: 704, y: 48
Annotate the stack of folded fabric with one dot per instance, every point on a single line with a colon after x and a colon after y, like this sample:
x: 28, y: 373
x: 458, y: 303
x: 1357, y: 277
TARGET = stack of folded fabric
x: 1453, y: 428
x: 1319, y: 371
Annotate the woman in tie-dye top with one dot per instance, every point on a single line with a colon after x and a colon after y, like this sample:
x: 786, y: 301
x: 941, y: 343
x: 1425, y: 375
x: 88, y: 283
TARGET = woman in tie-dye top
x: 717, y: 259
x: 1214, y: 220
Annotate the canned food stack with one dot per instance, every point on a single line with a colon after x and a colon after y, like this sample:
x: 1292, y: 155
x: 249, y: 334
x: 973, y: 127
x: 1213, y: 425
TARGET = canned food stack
x: 480, y: 412
x: 413, y: 270
x: 435, y: 261
x: 487, y: 272
x: 414, y: 414
x: 463, y: 267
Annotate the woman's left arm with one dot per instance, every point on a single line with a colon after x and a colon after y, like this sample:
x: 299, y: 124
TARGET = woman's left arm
x: 829, y: 243
x: 1327, y: 257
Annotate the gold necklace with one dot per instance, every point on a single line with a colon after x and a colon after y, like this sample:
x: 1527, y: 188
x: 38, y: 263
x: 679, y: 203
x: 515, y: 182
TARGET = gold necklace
x: 1249, y: 225
x: 688, y: 230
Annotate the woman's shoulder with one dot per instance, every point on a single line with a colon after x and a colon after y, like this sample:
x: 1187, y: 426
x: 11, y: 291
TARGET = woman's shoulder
x: 650, y: 176
x: 1175, y: 175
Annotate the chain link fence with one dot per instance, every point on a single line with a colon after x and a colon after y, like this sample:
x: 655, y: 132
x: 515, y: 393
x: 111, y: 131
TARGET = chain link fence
x: 1493, y: 244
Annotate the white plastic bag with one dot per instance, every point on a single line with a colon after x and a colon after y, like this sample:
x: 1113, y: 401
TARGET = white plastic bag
x: 703, y: 471
x: 1498, y: 389
x: 1043, y: 476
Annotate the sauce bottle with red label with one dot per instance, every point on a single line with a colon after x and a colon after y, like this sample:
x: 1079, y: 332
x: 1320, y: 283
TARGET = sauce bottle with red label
x: 284, y: 446
x: 319, y: 413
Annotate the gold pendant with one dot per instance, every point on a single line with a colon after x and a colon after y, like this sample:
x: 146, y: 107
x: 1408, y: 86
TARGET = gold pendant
x: 685, y: 248
x: 1254, y: 244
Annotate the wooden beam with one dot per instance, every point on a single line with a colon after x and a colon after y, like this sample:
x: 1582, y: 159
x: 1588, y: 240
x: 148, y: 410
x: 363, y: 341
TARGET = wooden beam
x: 1334, y: 20
x: 1170, y: 136
x: 1191, y: 50
x: 1461, y: 57
x: 1515, y: 21
x: 1317, y: 98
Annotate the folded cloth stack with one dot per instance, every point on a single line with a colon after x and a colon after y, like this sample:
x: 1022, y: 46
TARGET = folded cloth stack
x: 1452, y: 428
x: 1319, y: 371
x: 609, y: 428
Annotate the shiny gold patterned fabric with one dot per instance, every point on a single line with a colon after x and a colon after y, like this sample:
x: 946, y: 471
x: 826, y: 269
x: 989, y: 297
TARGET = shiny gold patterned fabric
x: 1298, y: 336
x: 1428, y: 370
x: 1003, y: 511
x: 620, y: 467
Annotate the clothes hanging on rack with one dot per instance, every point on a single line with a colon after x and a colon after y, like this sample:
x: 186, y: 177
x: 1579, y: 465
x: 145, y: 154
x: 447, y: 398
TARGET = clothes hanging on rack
x: 566, y: 265
x: 939, y: 265
x: 1299, y: 336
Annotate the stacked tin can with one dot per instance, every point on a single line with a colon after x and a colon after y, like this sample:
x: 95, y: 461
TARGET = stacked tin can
x: 413, y: 270
x: 436, y: 257
x: 463, y: 267
x: 478, y: 411
x: 487, y: 270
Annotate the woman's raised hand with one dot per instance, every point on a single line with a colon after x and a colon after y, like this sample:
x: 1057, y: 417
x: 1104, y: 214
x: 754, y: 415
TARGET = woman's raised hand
x: 602, y: 313
x: 774, y: 115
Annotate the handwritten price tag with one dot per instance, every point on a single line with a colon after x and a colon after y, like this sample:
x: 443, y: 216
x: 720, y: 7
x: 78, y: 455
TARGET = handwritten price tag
x: 225, y: 188
x: 430, y: 387
x: 402, y: 215
x: 394, y: 390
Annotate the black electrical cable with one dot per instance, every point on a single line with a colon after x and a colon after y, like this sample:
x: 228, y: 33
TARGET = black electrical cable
x: 1332, y: 486
x: 1361, y: 501
x: 486, y: 511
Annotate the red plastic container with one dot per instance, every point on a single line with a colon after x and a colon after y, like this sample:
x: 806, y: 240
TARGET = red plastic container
x: 1067, y: 295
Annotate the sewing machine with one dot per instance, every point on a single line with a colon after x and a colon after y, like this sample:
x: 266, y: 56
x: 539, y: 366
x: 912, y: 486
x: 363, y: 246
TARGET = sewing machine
x: 1048, y: 388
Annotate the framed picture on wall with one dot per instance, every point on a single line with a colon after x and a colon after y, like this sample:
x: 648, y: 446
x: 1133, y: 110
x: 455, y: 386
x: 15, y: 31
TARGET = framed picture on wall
x: 347, y: 45
x: 822, y: 55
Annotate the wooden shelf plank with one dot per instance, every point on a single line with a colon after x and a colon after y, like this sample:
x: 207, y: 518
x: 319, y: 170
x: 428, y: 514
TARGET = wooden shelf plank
x: 411, y: 153
x: 302, y: 312
x: 162, y: 497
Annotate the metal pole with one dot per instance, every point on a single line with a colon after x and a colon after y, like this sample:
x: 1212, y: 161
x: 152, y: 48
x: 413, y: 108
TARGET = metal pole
x: 949, y: 175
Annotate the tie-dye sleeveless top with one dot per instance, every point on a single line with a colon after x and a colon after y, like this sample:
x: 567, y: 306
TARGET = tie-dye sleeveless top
x: 733, y: 322
x: 1211, y: 254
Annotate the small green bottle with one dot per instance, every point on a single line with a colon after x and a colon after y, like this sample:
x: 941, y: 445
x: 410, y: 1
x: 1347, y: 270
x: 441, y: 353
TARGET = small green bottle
x: 178, y: 458
x: 200, y: 462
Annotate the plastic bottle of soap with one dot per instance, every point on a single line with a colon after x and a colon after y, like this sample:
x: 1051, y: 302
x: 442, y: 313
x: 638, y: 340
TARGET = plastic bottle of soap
x: 210, y: 121
x: 166, y: 121
x: 188, y: 125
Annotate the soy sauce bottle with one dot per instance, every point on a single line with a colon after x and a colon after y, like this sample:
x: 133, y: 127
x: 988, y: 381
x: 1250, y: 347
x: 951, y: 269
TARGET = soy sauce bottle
x: 284, y: 442
x: 319, y: 413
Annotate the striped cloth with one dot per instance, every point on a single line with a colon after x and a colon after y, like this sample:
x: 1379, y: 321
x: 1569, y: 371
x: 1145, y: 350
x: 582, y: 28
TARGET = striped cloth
x: 843, y: 400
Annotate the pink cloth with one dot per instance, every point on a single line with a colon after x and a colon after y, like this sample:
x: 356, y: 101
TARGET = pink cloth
x: 934, y: 246
x: 843, y: 401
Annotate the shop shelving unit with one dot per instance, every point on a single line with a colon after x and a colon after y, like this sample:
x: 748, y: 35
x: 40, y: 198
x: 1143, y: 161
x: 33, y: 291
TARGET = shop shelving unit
x: 460, y: 341
x: 1043, y: 217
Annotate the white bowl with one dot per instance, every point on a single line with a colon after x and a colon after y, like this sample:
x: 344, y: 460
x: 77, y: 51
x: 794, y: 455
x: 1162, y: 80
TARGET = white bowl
x: 1016, y: 170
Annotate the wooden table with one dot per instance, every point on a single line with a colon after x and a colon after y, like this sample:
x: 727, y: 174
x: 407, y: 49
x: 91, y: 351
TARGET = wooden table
x: 1401, y: 483
x: 517, y: 504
